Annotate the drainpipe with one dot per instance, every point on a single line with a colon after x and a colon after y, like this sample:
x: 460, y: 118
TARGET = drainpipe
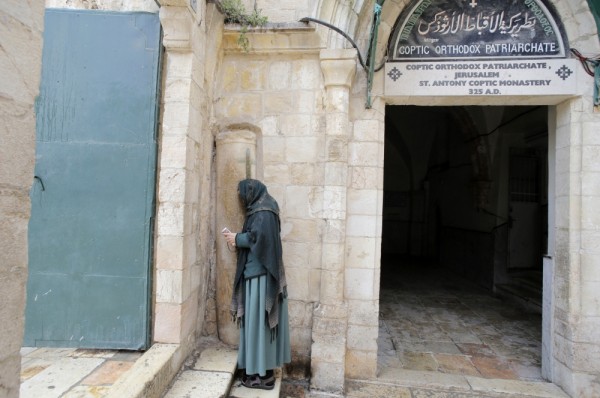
x: 373, y: 47
x: 369, y: 67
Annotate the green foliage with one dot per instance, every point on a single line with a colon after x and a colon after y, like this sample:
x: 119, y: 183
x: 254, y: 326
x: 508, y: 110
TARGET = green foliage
x: 235, y: 12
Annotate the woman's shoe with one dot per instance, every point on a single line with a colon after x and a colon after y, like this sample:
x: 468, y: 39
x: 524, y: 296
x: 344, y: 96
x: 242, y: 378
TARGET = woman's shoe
x: 257, y: 382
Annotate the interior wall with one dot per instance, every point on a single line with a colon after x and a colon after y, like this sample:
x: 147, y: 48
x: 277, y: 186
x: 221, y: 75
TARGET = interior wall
x: 434, y: 209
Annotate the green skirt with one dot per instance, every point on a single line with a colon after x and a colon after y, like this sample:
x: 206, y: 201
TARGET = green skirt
x: 258, y: 352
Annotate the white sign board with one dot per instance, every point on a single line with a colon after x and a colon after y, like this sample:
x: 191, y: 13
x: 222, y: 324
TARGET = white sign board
x: 481, y: 78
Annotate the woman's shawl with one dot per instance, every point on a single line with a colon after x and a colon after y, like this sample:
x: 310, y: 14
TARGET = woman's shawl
x: 263, y: 226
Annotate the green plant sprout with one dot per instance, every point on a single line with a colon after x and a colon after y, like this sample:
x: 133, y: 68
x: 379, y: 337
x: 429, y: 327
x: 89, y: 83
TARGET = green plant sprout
x: 235, y: 12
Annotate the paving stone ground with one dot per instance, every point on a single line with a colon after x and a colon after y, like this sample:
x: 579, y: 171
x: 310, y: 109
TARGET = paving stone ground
x: 439, y: 336
x: 431, y: 320
x: 71, y: 372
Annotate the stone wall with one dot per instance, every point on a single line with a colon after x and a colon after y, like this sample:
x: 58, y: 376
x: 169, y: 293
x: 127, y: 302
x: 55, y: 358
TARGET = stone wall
x: 363, y: 249
x: 21, y: 26
x: 327, y: 175
x: 576, y: 257
x: 277, y: 87
x: 185, y: 233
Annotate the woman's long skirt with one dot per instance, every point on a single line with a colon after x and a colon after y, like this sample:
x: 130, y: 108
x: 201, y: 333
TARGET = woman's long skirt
x: 258, y: 351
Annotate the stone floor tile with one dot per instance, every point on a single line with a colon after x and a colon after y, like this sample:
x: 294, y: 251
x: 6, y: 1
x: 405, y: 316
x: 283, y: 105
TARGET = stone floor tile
x: 526, y: 371
x: 27, y: 350
x: 432, y: 332
x: 200, y: 384
x: 530, y: 389
x: 127, y: 356
x: 475, y: 349
x: 456, y: 364
x: 87, y: 392
x: 419, y: 361
x: 107, y: 373
x: 58, y: 378
x: 429, y: 346
x: 356, y: 389
x: 425, y: 393
x: 51, y: 353
x: 464, y: 337
x: 32, y: 366
x: 384, y: 361
x: 217, y: 359
x: 493, y: 367
x: 91, y: 353
x: 407, y: 377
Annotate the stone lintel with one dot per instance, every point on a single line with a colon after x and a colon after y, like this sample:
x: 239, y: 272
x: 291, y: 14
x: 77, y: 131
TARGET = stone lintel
x: 174, y: 3
x: 273, y: 38
x: 176, y: 22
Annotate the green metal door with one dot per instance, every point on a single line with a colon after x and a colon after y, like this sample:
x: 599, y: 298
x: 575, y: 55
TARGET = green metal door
x: 92, y: 199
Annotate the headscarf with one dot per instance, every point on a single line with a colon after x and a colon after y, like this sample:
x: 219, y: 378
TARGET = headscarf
x: 263, y: 226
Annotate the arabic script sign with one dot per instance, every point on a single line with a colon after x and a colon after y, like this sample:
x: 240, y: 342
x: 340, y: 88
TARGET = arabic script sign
x: 476, y: 29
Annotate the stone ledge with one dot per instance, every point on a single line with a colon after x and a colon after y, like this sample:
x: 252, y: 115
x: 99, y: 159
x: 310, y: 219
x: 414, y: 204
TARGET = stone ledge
x: 468, y: 386
x: 273, y: 26
x: 151, y: 374
x: 533, y: 389
x: 274, y: 38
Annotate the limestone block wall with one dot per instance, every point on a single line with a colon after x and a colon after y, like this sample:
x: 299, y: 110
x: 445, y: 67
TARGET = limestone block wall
x: 277, y: 87
x: 363, y: 246
x: 185, y: 232
x: 363, y: 241
x: 576, y: 318
x: 21, y: 30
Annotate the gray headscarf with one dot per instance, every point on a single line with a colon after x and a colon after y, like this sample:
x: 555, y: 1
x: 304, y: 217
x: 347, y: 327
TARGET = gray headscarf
x: 263, y: 226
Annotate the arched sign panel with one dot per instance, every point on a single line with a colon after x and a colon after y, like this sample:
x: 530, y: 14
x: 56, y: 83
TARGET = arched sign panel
x: 479, y: 47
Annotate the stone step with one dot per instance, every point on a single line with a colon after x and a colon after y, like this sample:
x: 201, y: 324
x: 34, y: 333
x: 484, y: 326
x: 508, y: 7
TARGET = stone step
x: 239, y: 391
x: 211, y: 376
x: 400, y: 383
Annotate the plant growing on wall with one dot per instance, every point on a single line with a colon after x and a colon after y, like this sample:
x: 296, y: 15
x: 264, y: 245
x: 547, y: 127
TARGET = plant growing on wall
x: 235, y: 12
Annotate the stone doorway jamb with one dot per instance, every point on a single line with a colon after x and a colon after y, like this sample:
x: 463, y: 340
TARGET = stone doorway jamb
x: 330, y: 318
x: 173, y: 235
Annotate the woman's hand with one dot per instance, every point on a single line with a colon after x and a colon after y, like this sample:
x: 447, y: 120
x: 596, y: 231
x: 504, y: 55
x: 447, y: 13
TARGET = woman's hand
x: 230, y: 237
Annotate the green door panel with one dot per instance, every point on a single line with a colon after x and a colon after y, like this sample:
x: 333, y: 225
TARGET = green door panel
x: 92, y: 201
